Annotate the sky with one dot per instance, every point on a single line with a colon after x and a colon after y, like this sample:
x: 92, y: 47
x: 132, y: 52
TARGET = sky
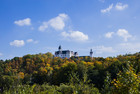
x: 108, y: 27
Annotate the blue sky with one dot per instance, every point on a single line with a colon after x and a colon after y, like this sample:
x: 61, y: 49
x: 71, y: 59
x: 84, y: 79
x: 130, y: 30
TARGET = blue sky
x: 109, y: 27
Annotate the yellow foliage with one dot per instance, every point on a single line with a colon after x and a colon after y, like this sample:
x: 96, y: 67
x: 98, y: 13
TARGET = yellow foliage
x: 88, y: 63
x: 43, y: 70
x: 21, y: 75
x: 127, y: 81
x: 48, y: 65
x: 35, y: 72
x: 107, y: 59
x: 98, y: 62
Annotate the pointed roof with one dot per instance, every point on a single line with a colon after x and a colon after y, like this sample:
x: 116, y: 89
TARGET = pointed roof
x: 91, y: 51
x: 59, y: 47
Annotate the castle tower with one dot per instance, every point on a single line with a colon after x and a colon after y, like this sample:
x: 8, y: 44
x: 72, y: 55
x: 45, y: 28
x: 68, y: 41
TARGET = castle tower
x: 60, y: 49
x: 91, y: 53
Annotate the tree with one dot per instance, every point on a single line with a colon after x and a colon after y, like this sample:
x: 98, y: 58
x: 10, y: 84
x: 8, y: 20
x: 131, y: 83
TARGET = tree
x: 127, y: 81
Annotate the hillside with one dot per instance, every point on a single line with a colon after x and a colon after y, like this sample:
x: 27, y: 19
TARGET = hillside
x: 43, y: 73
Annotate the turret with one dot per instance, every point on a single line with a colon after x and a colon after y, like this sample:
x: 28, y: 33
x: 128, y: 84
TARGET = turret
x: 59, y: 49
x: 91, y: 52
x: 75, y: 54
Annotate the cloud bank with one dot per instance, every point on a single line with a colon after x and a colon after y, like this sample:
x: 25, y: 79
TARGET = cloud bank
x: 120, y: 6
x: 57, y: 23
x: 109, y: 34
x: 17, y: 43
x: 31, y: 41
x: 107, y: 9
x: 123, y: 33
x: 24, y: 22
x: 75, y: 35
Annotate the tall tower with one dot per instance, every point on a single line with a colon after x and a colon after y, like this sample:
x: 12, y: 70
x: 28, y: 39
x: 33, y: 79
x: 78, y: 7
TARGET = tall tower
x: 91, y: 52
x: 59, y: 49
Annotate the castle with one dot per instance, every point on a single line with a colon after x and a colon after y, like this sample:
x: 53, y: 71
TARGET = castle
x: 67, y: 53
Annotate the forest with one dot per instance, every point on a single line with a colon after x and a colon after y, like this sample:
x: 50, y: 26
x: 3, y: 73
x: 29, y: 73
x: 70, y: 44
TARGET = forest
x: 46, y: 74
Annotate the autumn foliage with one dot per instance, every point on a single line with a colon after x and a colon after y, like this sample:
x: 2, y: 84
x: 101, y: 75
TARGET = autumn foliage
x: 81, y: 75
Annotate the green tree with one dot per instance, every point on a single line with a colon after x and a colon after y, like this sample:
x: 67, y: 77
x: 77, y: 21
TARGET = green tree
x: 127, y: 82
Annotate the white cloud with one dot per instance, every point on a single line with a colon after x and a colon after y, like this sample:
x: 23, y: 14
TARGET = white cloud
x: 31, y: 41
x: 17, y: 43
x: 43, y: 27
x: 121, y: 33
x: 57, y: 23
x: 124, y: 34
x: 1, y: 54
x: 23, y: 22
x: 103, y: 49
x: 107, y: 9
x: 120, y: 6
x: 109, y: 34
x: 75, y: 35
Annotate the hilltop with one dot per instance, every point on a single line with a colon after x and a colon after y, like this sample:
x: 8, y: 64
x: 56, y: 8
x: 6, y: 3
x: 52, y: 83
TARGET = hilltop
x: 45, y: 68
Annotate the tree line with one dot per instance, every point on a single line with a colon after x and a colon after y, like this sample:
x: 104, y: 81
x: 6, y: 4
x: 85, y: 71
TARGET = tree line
x: 46, y: 74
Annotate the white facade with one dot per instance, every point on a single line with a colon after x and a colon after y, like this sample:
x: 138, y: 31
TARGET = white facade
x: 65, y: 53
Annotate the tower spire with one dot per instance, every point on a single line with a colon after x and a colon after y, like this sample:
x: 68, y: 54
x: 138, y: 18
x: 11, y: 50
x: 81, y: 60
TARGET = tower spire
x: 59, y: 49
x: 91, y: 53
